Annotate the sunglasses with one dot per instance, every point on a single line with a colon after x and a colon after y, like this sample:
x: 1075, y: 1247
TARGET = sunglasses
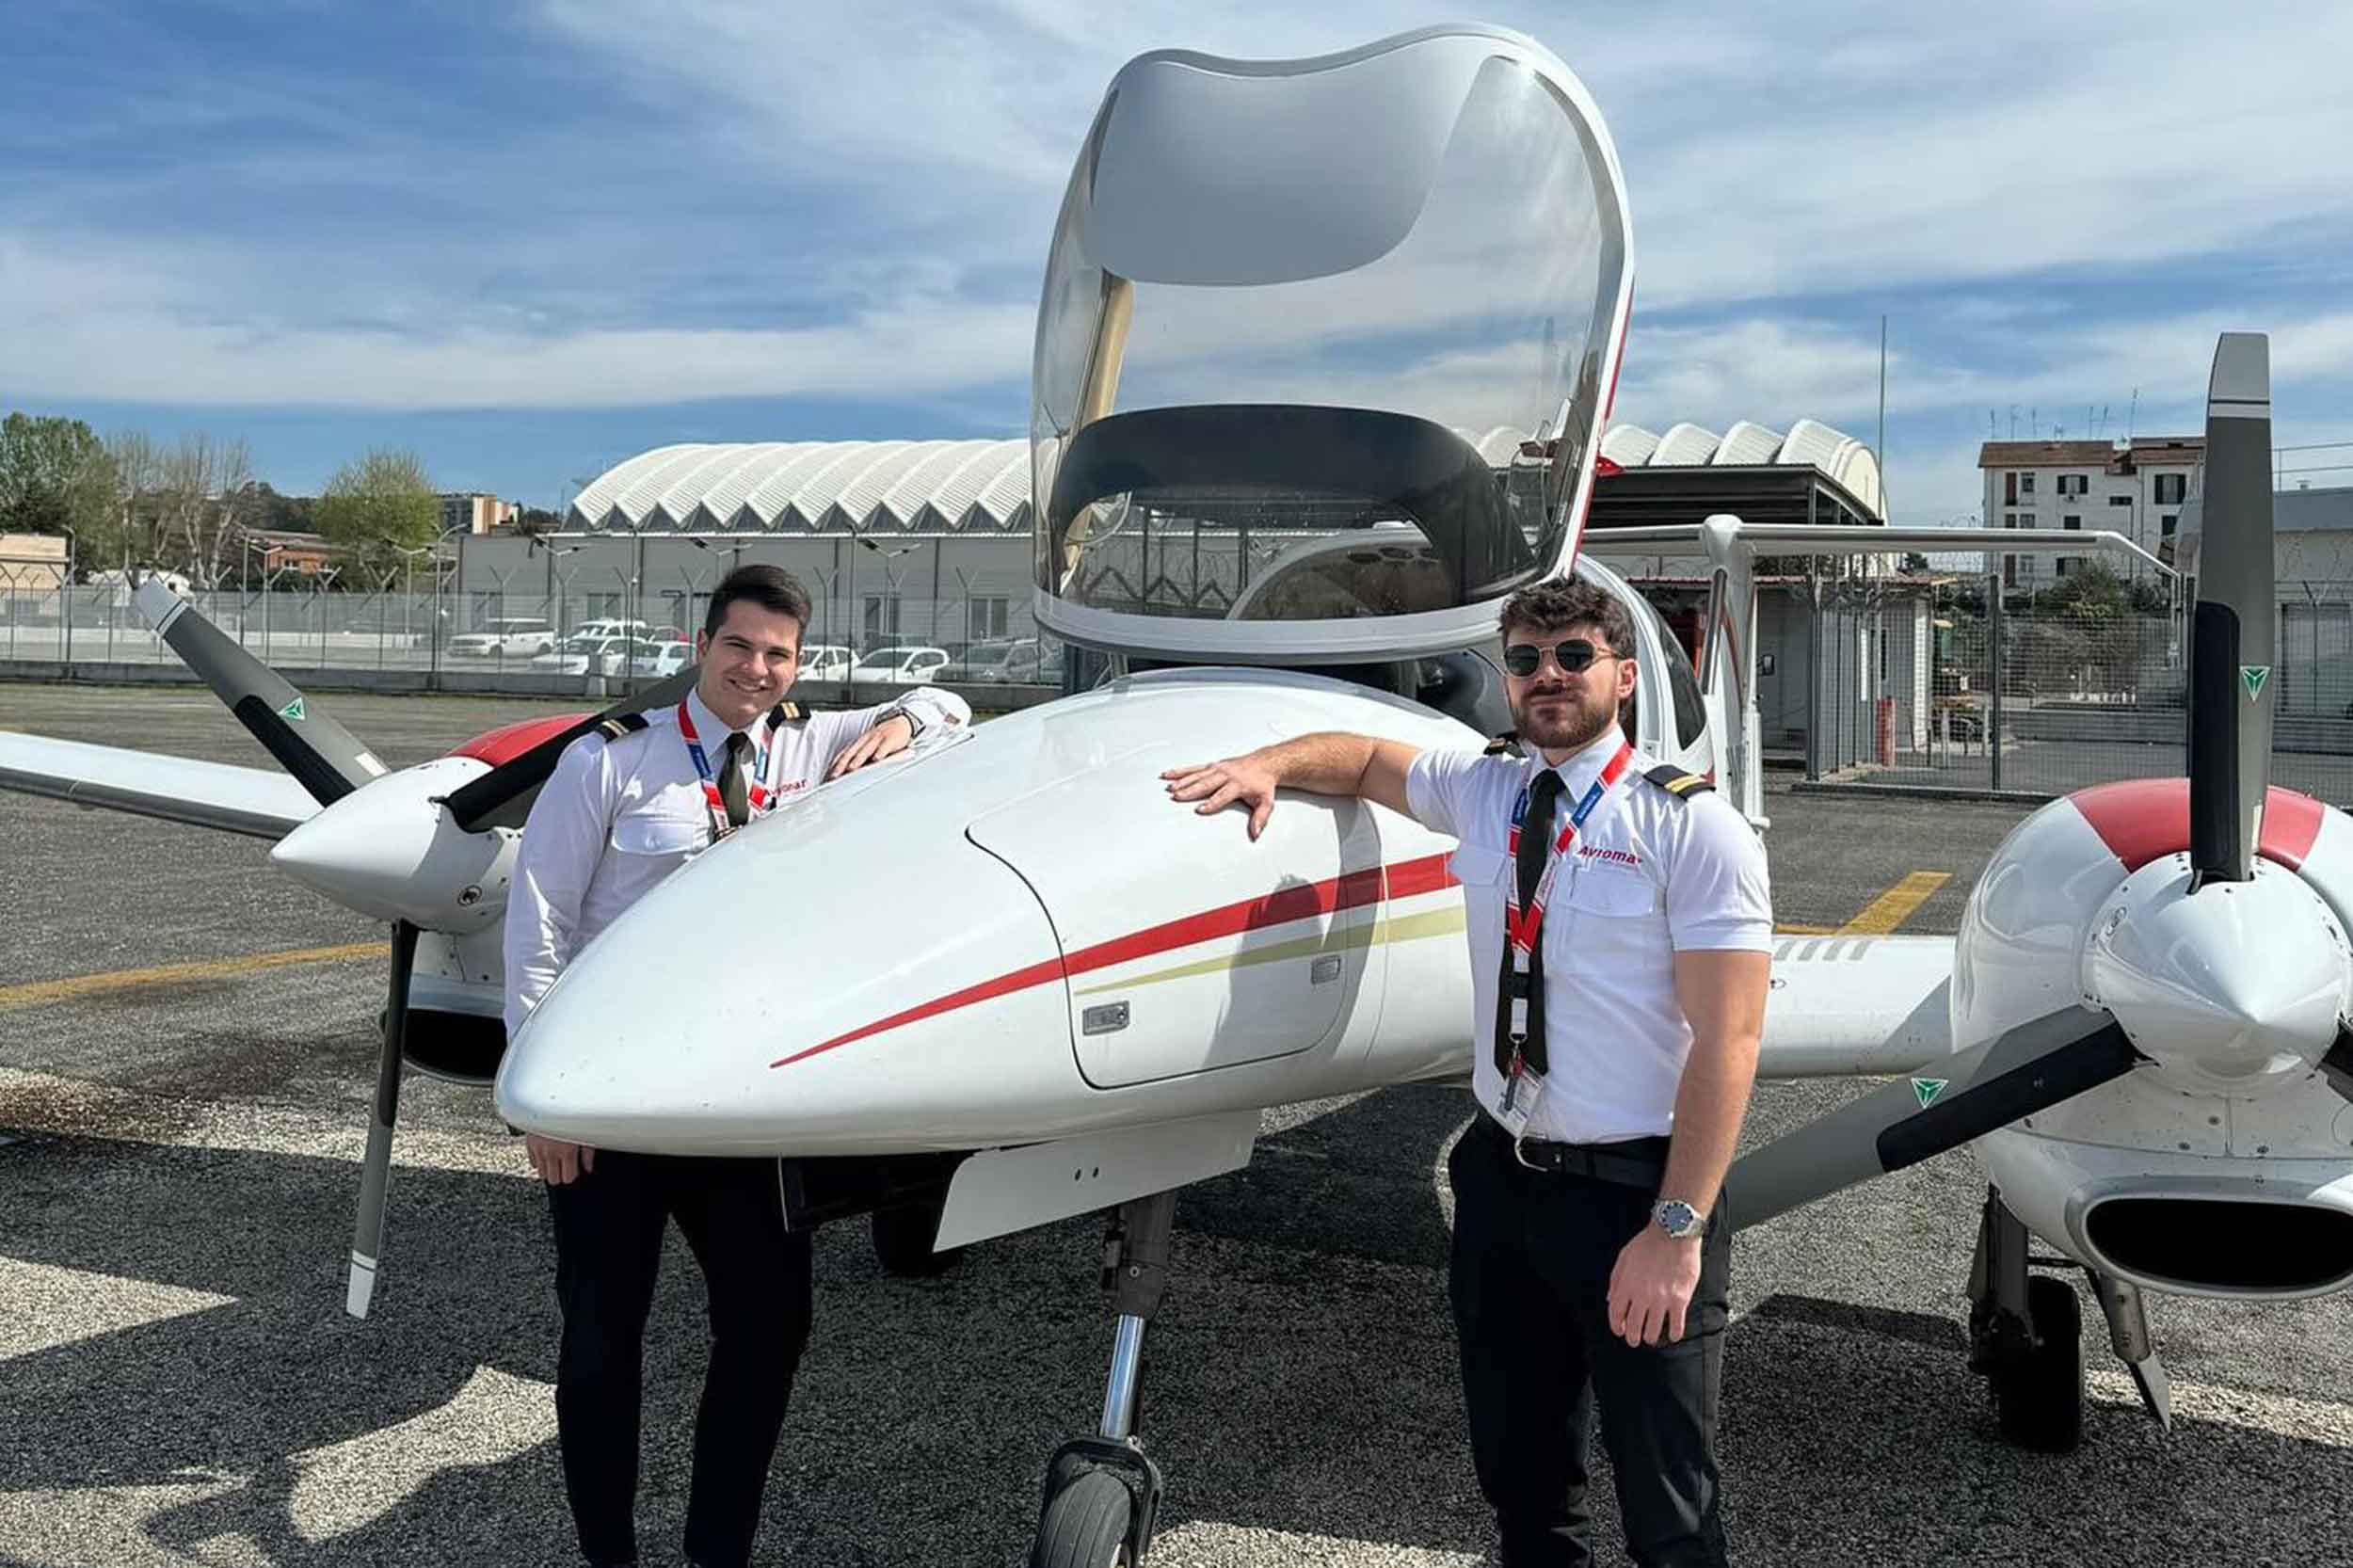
x: 1573, y: 656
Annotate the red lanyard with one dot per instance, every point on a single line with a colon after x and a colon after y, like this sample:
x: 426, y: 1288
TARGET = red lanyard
x: 1526, y: 929
x: 720, y: 827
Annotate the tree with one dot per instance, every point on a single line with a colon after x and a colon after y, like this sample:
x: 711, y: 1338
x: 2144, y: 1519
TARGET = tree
x: 55, y: 475
x: 200, y: 493
x: 379, y: 504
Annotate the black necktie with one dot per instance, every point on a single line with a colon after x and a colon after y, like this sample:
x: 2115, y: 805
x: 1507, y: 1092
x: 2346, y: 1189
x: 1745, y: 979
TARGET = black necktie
x: 1544, y: 799
x: 732, y: 792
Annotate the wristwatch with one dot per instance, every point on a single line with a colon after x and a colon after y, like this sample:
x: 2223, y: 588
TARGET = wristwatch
x: 914, y: 725
x: 1678, y: 1219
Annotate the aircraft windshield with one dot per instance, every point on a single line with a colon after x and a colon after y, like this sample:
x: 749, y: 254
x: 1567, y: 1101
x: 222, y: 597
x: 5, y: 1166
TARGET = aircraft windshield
x: 1321, y: 343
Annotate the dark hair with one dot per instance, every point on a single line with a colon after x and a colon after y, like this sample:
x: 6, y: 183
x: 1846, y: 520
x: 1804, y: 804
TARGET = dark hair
x: 1559, y: 603
x: 770, y: 588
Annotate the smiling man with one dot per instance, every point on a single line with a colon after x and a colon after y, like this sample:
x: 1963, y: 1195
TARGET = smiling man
x: 1620, y: 923
x: 625, y: 807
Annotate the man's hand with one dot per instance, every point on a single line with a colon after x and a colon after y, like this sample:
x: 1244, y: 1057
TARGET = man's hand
x: 1218, y: 785
x: 555, y: 1161
x: 1650, y: 1290
x: 886, y: 738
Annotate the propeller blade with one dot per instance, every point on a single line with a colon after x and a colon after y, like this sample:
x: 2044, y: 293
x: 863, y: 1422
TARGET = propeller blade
x: 322, y: 756
x: 2233, y: 631
x: 502, y: 796
x: 2027, y: 1069
x: 375, y: 1168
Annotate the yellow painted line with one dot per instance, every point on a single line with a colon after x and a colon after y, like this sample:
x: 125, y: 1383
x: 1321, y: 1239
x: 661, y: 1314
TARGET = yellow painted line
x: 1794, y: 930
x: 42, y: 991
x: 1895, y: 905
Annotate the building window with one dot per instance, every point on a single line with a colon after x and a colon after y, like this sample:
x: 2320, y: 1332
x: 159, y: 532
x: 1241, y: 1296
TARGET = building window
x: 2074, y: 484
x: 2026, y: 484
x: 2120, y: 500
x: 2170, y: 488
x: 2062, y: 563
x: 2010, y: 571
x: 2010, y: 519
x: 2070, y: 522
x: 881, y: 619
x: 988, y: 617
x: 2165, y: 526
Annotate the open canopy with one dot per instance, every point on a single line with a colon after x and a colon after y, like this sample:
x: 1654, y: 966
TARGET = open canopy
x: 1277, y: 292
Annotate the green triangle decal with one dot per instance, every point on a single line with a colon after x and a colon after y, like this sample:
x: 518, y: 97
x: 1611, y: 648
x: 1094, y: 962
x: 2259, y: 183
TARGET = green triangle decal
x: 2254, y: 676
x: 1925, y: 1090
x: 294, y: 710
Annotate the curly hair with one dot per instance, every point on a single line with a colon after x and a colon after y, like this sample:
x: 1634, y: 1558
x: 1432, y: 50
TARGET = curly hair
x: 1560, y: 603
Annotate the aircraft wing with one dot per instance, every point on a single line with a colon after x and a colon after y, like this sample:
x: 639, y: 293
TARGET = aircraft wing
x: 1843, y: 1006
x: 254, y: 801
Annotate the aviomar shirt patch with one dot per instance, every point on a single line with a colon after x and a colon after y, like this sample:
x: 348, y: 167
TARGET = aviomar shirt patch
x: 1613, y: 860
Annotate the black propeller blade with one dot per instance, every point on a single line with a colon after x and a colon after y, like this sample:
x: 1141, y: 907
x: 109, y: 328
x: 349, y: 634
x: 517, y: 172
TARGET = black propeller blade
x: 2233, y: 631
x: 376, y: 1169
x: 322, y: 756
x: 2027, y: 1069
x: 502, y: 796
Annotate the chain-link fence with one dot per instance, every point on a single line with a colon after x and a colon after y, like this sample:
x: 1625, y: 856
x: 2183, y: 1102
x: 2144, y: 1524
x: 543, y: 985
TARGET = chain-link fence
x: 1954, y: 676
x: 583, y: 635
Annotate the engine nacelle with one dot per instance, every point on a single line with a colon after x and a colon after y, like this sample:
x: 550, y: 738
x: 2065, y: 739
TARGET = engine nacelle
x: 2190, y: 1223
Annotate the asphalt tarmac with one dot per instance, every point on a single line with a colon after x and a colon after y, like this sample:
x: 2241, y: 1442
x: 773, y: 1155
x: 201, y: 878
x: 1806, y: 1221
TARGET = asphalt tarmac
x: 178, y: 1383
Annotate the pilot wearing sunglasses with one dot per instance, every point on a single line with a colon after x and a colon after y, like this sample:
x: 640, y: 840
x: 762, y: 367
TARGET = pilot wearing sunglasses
x: 1620, y: 923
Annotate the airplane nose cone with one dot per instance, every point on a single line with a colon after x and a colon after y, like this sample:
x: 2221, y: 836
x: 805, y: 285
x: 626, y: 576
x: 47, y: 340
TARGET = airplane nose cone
x: 389, y: 850
x: 850, y: 975
x: 2233, y: 989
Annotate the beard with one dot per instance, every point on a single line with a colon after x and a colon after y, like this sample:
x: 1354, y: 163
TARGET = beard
x: 1567, y: 720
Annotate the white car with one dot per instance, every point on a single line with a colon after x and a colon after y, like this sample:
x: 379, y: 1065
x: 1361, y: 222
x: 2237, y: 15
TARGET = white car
x: 824, y: 661
x: 664, y: 659
x: 494, y: 638
x: 900, y: 666
x: 584, y: 651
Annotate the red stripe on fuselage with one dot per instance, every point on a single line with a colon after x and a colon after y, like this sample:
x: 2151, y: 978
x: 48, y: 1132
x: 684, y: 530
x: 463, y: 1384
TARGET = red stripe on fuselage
x: 510, y: 741
x: 1351, y: 890
x: 2142, y: 819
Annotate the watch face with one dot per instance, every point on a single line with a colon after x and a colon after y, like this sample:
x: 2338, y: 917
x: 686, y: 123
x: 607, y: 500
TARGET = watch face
x: 1677, y: 1219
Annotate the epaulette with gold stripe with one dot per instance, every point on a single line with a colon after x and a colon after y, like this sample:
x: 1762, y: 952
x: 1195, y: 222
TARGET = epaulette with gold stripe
x: 620, y: 725
x: 1681, y: 785
x: 1505, y: 745
x: 787, y: 712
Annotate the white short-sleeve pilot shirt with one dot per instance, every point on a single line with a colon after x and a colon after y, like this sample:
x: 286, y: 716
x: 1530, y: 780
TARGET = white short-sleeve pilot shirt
x: 1649, y: 875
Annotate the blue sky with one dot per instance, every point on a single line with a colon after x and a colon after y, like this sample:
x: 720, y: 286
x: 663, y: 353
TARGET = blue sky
x: 531, y: 241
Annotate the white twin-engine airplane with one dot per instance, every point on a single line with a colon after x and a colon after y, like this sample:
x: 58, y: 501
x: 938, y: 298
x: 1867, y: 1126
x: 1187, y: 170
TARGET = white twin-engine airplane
x: 1278, y: 293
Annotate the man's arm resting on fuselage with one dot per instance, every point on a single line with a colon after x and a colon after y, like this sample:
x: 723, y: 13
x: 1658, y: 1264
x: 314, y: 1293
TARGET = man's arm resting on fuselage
x: 1328, y: 762
x: 1722, y: 996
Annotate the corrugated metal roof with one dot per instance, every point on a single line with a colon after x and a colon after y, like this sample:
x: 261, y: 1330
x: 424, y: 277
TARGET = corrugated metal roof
x: 984, y: 485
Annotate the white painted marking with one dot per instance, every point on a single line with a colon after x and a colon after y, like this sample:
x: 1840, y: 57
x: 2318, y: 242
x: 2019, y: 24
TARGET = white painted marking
x: 43, y: 1306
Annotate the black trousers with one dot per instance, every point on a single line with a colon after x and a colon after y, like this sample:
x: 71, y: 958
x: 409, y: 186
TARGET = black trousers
x: 1530, y: 1275
x: 608, y: 1245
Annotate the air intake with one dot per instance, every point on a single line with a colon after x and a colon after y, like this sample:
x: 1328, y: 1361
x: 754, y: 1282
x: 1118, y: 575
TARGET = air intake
x: 2235, y: 1245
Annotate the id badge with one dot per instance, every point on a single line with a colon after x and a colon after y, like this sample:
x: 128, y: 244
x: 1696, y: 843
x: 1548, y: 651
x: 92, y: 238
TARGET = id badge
x: 1521, y: 1093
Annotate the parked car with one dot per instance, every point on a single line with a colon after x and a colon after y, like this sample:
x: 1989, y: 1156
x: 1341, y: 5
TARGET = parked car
x: 1026, y: 662
x: 508, y: 637
x: 666, y: 659
x: 900, y: 666
x: 976, y: 656
x: 824, y: 661
x: 610, y: 627
x: 586, y: 652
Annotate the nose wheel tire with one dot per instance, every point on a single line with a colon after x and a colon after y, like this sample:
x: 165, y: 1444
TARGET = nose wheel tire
x: 2038, y: 1390
x: 1085, y: 1525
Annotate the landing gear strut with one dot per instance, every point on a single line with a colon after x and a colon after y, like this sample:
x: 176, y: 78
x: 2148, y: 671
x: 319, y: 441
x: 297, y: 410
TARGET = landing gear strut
x: 1102, y: 1494
x: 2025, y: 1335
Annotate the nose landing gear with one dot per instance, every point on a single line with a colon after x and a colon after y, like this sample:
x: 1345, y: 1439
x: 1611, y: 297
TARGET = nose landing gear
x: 1103, y: 1492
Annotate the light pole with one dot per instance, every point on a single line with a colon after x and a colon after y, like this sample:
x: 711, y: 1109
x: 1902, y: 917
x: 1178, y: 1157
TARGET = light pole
x: 65, y: 594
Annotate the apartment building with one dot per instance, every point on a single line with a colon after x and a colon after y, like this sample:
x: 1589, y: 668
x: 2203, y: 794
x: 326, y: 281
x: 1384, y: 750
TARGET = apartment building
x: 2135, y: 488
